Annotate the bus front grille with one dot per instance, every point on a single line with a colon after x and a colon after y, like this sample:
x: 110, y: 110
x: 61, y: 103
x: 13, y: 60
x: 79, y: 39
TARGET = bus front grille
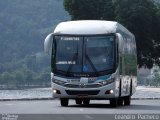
x: 77, y: 92
x: 83, y: 86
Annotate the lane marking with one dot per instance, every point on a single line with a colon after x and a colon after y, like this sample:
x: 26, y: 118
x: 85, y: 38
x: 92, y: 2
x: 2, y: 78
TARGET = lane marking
x: 8, y: 104
x: 23, y: 103
x: 89, y: 117
x: 81, y: 110
x: 36, y: 102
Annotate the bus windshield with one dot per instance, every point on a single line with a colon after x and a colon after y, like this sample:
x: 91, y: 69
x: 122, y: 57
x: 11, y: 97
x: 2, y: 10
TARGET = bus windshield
x: 84, y: 55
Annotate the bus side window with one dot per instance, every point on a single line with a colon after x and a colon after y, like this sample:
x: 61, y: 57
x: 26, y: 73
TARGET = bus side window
x: 120, y: 60
x: 117, y: 55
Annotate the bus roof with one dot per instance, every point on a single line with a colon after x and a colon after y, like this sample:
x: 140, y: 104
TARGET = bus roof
x: 89, y: 27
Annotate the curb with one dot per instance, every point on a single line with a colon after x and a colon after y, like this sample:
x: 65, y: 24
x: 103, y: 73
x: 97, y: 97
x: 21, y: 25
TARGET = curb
x: 145, y: 98
x: 26, y: 99
x: 32, y: 99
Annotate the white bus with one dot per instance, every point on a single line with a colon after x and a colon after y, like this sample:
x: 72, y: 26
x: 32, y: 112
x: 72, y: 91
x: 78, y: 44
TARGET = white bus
x: 92, y: 59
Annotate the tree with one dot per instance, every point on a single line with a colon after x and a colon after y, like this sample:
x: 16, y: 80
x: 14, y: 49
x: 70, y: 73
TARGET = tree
x: 156, y: 79
x: 141, y: 17
x: 89, y: 9
x: 7, y: 79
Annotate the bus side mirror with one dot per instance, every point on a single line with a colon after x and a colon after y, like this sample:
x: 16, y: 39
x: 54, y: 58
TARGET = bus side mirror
x: 119, y: 41
x: 48, y: 43
x: 119, y: 46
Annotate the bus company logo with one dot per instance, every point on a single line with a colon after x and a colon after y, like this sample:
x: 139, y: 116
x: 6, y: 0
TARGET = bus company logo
x: 82, y: 85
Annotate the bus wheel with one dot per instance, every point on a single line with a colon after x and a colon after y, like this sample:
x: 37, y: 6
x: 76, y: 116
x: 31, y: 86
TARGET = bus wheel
x: 120, y: 101
x: 86, y: 101
x: 78, y: 101
x: 127, y: 100
x: 113, y: 102
x: 64, y: 101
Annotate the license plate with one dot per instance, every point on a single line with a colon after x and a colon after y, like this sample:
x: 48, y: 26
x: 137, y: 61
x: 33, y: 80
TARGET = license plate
x: 74, y: 81
x: 82, y: 96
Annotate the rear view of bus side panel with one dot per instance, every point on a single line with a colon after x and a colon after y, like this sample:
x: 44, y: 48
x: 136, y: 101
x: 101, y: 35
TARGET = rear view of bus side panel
x: 128, y: 65
x: 134, y: 66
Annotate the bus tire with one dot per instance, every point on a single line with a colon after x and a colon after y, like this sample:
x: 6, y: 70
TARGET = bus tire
x: 120, y: 101
x: 78, y: 101
x: 127, y: 100
x: 64, y: 101
x: 113, y: 102
x: 86, y: 101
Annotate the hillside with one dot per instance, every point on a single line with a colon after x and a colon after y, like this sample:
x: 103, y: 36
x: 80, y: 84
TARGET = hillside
x: 24, y: 25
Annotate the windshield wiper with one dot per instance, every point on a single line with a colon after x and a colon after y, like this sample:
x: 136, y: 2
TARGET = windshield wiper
x: 91, y: 63
x: 75, y: 57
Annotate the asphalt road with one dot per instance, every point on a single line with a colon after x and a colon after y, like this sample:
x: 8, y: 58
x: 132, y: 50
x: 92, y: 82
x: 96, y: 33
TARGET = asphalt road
x: 95, y: 107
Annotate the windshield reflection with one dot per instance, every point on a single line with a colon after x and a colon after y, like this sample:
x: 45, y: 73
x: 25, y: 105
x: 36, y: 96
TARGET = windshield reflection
x: 83, y: 54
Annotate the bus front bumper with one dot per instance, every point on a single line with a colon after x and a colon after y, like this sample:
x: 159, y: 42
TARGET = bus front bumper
x: 104, y: 92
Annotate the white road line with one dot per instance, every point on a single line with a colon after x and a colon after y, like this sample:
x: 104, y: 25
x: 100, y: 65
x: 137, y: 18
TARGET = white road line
x: 81, y: 110
x: 23, y: 103
x: 36, y: 102
x: 89, y: 117
x: 8, y: 104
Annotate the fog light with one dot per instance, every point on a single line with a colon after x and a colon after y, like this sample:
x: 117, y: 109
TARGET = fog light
x: 56, y: 92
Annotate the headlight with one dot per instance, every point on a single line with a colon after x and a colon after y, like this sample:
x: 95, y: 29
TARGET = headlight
x: 59, y: 82
x: 106, y: 82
